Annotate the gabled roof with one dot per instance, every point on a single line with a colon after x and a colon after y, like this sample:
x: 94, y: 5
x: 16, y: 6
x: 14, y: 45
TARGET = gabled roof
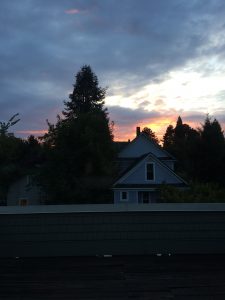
x: 146, y: 186
x: 118, y: 146
x: 132, y: 165
x: 139, y: 162
x: 165, y: 154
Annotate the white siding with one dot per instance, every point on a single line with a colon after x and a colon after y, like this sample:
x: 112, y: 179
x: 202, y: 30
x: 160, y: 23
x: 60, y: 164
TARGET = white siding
x: 169, y: 163
x: 132, y: 196
x: 162, y: 175
x: 22, y: 190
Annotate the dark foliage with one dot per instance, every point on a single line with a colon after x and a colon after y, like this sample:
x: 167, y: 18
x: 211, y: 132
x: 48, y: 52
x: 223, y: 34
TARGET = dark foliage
x: 196, y: 193
x: 151, y: 134
x: 210, y: 166
x: 87, y: 96
x: 200, y: 153
x: 17, y: 158
x: 79, y: 148
x: 168, y: 139
x: 4, y: 126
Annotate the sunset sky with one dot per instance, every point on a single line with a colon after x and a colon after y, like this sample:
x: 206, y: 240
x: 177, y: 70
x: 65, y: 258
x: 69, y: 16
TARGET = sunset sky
x: 158, y: 58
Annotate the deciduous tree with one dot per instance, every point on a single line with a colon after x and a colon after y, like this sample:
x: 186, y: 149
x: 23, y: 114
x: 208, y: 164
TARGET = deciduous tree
x: 4, y: 126
x: 151, y: 134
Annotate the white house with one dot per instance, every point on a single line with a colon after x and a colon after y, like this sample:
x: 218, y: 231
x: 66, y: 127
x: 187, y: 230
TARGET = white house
x: 143, y: 167
x: 24, y: 191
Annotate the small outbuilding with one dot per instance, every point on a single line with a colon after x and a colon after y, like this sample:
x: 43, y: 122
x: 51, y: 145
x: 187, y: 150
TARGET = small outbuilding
x: 24, y: 191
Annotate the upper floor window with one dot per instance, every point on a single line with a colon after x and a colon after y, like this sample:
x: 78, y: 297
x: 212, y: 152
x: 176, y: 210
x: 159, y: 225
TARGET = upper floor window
x: 150, y: 171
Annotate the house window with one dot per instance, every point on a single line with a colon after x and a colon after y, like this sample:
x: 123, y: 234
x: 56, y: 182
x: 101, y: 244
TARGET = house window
x: 23, y: 202
x: 123, y: 196
x: 150, y: 171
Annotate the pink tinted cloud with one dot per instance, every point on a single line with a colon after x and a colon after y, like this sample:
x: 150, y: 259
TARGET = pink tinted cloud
x: 73, y: 11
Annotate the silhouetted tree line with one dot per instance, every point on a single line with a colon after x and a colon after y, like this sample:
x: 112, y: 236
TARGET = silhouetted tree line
x: 74, y: 161
x: 18, y: 157
x: 200, y: 153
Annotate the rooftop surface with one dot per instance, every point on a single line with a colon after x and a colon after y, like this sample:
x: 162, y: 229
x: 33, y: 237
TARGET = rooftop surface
x: 178, y: 277
x: 125, y: 207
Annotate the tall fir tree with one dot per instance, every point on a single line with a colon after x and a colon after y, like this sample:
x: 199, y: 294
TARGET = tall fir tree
x: 168, y: 138
x: 182, y: 142
x: 211, y: 152
x: 80, y: 146
x: 87, y: 96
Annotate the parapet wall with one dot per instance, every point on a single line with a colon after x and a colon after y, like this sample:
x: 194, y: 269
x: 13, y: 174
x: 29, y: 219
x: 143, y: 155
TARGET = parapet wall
x: 77, y: 230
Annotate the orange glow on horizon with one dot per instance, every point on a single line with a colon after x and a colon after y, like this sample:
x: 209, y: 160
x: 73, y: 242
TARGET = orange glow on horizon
x: 158, y: 125
x: 128, y: 131
x: 32, y: 132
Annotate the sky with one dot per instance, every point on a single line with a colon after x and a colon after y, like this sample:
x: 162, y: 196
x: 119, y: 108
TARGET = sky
x: 158, y: 59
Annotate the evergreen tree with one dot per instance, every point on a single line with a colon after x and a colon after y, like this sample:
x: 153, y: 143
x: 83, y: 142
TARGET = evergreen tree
x: 80, y: 146
x: 179, y: 130
x: 87, y: 96
x: 168, y: 138
x: 33, y: 153
x: 212, y: 152
x: 182, y: 141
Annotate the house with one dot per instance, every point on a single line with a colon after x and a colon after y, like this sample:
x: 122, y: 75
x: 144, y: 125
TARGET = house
x: 143, y: 167
x: 24, y: 191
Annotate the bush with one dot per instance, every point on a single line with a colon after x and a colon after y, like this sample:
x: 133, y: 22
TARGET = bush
x: 196, y: 193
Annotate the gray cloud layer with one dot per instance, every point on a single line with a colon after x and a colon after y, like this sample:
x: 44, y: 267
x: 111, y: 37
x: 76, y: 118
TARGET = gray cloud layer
x: 128, y: 42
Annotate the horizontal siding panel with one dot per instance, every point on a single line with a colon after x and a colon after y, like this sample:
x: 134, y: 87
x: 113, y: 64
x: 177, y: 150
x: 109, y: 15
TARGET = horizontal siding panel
x: 117, y: 233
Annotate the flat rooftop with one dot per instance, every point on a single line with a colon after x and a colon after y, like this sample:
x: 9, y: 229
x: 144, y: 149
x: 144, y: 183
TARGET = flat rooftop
x: 112, y: 208
x: 176, y: 277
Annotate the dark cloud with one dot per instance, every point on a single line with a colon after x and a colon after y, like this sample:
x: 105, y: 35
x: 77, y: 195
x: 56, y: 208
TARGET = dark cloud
x: 143, y: 104
x: 126, y: 116
x: 196, y: 118
x: 128, y: 43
